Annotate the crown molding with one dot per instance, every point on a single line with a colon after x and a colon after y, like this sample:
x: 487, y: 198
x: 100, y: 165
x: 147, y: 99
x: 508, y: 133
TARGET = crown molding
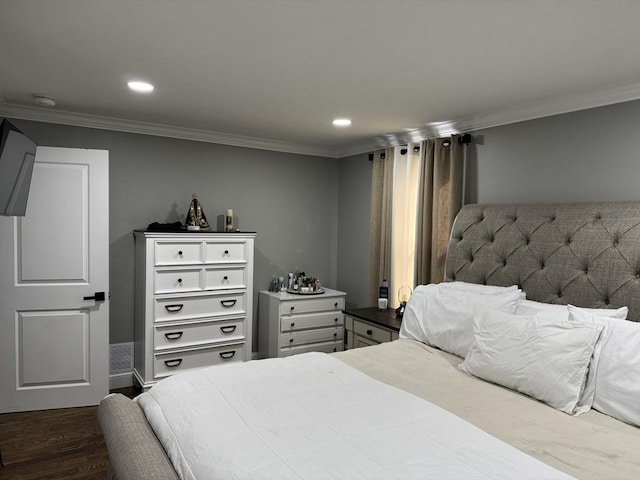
x: 516, y: 114
x: 62, y: 117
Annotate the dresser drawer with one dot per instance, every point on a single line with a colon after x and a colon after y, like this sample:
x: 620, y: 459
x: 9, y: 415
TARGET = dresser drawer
x: 177, y: 253
x: 371, y: 332
x: 312, y: 320
x: 225, y: 277
x: 303, y: 337
x: 328, y: 304
x: 225, y: 252
x: 165, y: 364
x: 167, y: 308
x: 327, y: 347
x: 194, y: 333
x: 359, y: 342
x: 176, y: 280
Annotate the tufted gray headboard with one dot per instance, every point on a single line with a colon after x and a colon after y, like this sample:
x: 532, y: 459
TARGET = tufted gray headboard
x: 585, y: 254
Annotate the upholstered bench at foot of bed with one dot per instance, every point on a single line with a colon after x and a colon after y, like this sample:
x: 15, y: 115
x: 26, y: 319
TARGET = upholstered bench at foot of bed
x: 134, y: 450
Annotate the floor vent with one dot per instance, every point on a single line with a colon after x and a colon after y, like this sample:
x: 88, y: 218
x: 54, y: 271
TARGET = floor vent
x: 120, y: 358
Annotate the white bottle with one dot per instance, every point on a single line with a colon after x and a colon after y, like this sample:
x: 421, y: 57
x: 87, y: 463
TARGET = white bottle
x: 383, y: 295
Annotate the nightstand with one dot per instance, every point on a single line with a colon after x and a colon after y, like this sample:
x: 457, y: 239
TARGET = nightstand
x: 370, y: 326
x: 291, y: 324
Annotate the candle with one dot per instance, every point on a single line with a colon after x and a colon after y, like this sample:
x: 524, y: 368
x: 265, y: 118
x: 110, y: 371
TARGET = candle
x: 228, y: 223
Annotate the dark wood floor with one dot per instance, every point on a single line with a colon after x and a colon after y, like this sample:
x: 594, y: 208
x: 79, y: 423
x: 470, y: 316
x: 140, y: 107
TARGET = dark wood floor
x: 54, y: 444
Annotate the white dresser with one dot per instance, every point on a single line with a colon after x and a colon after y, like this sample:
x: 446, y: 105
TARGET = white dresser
x: 193, y: 301
x: 290, y: 323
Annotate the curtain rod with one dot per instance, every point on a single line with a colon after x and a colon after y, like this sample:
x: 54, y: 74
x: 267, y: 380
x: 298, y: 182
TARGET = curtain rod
x: 464, y: 139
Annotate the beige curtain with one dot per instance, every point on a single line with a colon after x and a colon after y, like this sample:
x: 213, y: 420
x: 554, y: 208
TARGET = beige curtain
x: 380, y: 226
x: 439, y: 200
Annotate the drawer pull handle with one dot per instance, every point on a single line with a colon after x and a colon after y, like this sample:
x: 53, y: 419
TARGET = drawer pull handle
x: 173, y: 363
x: 225, y: 278
x: 174, y: 308
x: 335, y: 334
x: 226, y: 252
x: 173, y: 335
x: 335, y: 349
x: 291, y: 340
x: 292, y: 308
x: 369, y: 332
x: 335, y: 304
x: 180, y: 252
x: 293, y: 324
x: 228, y: 328
x: 227, y: 303
x: 227, y: 355
x: 179, y: 280
x: 335, y: 319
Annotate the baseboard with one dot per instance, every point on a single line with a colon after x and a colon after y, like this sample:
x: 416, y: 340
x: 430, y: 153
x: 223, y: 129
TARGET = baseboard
x: 120, y: 380
x: 123, y: 380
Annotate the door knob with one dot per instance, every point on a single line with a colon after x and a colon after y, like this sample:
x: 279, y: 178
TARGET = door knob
x: 98, y: 297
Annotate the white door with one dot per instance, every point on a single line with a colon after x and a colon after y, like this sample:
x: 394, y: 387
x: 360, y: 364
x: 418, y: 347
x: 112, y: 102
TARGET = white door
x: 53, y: 342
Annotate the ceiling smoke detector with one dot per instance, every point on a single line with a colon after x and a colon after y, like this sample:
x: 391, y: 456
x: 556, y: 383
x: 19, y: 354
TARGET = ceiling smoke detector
x: 44, y: 100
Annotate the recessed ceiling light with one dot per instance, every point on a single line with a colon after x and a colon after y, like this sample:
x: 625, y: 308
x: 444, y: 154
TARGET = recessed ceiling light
x: 342, y: 122
x: 141, y: 87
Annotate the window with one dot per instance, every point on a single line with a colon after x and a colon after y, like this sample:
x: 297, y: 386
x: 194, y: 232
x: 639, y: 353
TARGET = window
x: 406, y: 175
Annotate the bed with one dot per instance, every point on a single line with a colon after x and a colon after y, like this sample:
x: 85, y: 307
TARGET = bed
x: 411, y: 409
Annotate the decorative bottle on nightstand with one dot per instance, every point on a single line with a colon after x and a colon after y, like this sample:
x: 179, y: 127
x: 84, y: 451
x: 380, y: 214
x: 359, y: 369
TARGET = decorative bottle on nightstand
x: 383, y: 295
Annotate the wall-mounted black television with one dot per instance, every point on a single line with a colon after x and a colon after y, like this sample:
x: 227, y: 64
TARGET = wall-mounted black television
x: 17, y: 155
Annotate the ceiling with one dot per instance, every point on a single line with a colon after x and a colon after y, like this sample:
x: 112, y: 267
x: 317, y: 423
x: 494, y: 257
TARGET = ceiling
x: 273, y: 74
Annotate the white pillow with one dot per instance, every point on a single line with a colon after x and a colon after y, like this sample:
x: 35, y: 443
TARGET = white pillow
x: 615, y: 379
x: 442, y: 317
x: 477, y: 288
x: 544, y: 359
x: 561, y: 312
x: 555, y: 312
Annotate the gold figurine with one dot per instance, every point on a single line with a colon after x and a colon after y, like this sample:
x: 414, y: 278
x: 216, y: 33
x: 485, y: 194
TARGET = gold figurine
x: 196, y: 219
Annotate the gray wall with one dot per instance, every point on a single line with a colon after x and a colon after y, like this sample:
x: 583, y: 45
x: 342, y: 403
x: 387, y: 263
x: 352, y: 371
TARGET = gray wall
x: 590, y: 155
x: 290, y: 200
x: 312, y: 213
x: 353, y: 228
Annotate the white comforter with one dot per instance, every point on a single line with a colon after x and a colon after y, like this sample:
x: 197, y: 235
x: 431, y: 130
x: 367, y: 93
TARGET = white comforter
x: 312, y: 416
